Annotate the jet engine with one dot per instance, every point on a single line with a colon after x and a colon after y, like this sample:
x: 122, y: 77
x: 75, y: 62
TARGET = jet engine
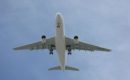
x: 43, y: 39
x: 76, y: 40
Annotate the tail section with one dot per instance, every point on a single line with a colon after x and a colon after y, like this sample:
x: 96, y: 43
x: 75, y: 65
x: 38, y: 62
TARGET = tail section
x: 66, y: 68
x: 55, y: 68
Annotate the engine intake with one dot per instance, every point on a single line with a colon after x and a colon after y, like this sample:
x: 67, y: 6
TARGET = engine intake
x: 76, y: 40
x: 75, y: 37
x: 43, y: 39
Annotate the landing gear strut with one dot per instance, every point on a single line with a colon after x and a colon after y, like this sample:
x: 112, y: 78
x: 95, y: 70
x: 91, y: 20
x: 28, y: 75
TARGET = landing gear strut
x: 69, y: 49
x: 51, y: 51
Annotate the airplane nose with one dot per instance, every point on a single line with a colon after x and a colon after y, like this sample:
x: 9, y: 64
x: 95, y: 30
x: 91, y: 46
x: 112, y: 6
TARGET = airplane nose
x: 58, y: 13
x: 58, y: 17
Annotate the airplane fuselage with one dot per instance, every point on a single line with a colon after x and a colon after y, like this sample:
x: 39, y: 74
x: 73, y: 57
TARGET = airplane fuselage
x: 60, y: 40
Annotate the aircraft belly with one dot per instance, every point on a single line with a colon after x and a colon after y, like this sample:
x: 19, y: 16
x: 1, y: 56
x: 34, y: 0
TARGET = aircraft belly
x: 60, y: 48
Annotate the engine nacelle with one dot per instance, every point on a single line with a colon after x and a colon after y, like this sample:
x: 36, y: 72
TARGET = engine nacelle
x: 76, y: 40
x: 43, y: 39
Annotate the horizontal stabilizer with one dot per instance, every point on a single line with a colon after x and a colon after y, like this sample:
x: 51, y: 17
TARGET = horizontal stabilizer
x: 71, y: 68
x: 55, y: 68
x: 66, y: 68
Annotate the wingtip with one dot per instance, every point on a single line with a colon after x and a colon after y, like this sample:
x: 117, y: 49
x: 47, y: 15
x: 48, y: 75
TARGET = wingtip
x: 15, y: 48
x: 109, y: 50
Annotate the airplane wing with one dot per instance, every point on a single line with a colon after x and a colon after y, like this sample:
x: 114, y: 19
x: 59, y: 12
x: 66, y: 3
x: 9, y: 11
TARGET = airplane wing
x: 69, y: 42
x: 83, y: 46
x: 38, y: 45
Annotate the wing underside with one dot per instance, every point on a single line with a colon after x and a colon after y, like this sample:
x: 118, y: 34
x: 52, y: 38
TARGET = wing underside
x: 84, y: 46
x: 50, y: 43
x: 38, y: 45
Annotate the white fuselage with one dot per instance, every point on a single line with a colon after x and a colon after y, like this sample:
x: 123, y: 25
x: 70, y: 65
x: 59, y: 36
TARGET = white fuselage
x: 60, y: 41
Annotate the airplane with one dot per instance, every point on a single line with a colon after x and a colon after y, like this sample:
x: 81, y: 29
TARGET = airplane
x: 61, y: 43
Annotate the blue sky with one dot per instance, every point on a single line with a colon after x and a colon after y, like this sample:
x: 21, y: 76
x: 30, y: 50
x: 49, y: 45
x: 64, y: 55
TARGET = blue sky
x: 104, y: 23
